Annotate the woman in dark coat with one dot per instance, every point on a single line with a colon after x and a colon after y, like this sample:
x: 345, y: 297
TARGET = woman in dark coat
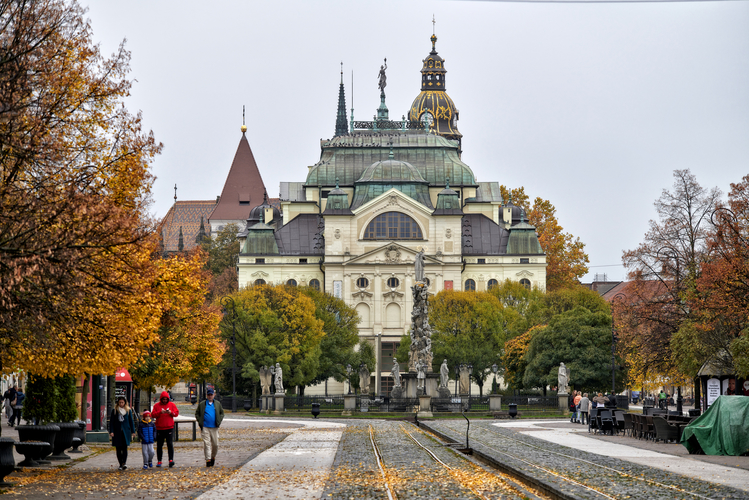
x: 121, y: 429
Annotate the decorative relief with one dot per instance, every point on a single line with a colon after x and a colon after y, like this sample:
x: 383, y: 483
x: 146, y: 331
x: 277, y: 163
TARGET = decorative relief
x: 392, y: 255
x: 337, y: 234
x: 448, y: 233
x: 524, y: 274
x: 393, y: 200
x: 259, y: 274
x: 392, y: 296
x: 363, y: 295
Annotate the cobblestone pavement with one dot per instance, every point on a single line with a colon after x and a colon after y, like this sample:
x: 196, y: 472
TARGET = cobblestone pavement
x: 97, y: 477
x: 409, y: 470
x: 596, y: 476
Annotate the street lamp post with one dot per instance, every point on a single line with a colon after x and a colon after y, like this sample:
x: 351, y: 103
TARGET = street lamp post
x: 457, y: 375
x: 494, y: 370
x: 613, y: 344
x: 226, y: 301
x: 348, y: 372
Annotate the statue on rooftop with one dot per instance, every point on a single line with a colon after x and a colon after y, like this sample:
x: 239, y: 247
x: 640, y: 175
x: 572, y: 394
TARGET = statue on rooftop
x: 383, y: 79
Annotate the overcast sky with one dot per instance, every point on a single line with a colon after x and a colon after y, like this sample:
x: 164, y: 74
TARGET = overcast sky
x: 591, y: 106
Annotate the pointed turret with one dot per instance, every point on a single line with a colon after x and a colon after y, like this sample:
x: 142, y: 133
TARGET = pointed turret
x: 181, y: 244
x: 201, y: 232
x: 341, y: 123
x: 242, y: 191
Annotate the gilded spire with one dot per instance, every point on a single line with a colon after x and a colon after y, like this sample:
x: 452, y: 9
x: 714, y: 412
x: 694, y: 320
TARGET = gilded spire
x: 341, y: 122
x: 244, y: 127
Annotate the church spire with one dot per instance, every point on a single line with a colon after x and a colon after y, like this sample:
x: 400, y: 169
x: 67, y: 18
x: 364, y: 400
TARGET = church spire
x: 341, y: 123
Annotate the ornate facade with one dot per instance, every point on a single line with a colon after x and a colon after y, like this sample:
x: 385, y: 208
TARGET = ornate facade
x: 381, y: 192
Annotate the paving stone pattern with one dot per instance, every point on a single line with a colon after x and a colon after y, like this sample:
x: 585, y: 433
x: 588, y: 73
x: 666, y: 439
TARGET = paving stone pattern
x: 610, y: 476
x: 411, y: 472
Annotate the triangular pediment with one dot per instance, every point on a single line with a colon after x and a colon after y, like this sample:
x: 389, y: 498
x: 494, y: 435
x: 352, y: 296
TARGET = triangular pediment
x: 393, y: 199
x: 392, y: 253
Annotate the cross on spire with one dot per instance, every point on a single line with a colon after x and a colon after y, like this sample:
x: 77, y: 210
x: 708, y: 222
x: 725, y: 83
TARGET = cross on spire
x: 175, y: 193
x: 433, y: 25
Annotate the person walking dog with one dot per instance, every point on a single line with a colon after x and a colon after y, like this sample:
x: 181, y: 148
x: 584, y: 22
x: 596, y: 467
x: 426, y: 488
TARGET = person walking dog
x: 209, y: 415
x: 163, y: 413
x: 147, y: 435
x: 121, y: 430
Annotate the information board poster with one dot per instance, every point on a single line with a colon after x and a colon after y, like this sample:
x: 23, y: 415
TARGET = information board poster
x: 448, y: 285
x: 713, y: 390
x: 338, y: 289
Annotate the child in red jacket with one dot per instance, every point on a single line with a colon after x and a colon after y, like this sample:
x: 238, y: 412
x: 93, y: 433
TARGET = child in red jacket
x: 163, y: 413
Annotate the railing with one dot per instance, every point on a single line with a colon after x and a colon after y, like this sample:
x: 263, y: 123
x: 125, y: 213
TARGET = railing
x: 327, y: 403
x: 531, y: 402
x: 388, y: 125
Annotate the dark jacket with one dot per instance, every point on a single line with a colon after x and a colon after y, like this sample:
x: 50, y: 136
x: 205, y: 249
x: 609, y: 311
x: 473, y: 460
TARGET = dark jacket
x: 122, y: 431
x: 20, y: 396
x: 200, y: 413
x: 147, y: 431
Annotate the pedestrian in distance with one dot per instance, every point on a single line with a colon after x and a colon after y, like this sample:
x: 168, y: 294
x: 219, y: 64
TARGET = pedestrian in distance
x: 121, y: 429
x: 12, y: 393
x: 163, y: 413
x: 147, y: 435
x: 15, y: 418
x: 209, y: 415
x: 6, y: 403
x: 584, y: 408
x: 578, y: 397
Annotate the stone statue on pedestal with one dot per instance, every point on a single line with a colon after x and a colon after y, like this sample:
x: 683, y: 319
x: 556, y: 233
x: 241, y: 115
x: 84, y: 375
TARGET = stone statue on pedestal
x: 265, y: 379
x: 465, y: 380
x: 419, y: 266
x: 278, y: 372
x: 563, y: 379
x: 396, y: 373
x: 364, y: 378
x: 421, y: 378
x: 444, y: 374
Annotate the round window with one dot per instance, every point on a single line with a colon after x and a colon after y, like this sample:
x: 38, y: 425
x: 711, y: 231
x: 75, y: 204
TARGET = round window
x: 362, y: 282
x: 393, y: 282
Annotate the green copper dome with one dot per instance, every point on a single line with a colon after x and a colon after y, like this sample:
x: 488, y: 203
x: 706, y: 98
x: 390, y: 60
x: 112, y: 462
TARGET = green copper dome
x: 382, y: 176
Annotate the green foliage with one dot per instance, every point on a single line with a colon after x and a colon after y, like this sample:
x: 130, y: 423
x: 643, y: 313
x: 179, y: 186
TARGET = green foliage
x: 582, y: 340
x: 467, y: 328
x: 689, y: 350
x: 41, y: 398
x: 402, y: 353
x: 522, y: 308
x: 65, y: 407
x: 222, y: 249
x: 740, y: 353
x: 340, y: 324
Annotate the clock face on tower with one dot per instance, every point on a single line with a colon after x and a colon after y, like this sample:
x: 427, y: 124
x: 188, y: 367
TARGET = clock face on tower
x: 427, y: 119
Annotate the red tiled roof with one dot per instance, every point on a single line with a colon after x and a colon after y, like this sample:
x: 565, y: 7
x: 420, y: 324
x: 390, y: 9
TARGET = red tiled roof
x: 244, y: 186
x: 185, y: 214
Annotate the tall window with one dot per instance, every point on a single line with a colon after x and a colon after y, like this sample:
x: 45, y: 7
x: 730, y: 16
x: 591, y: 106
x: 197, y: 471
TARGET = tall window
x: 493, y: 284
x: 470, y: 286
x: 314, y: 284
x: 393, y: 226
x: 388, y: 351
x: 526, y: 283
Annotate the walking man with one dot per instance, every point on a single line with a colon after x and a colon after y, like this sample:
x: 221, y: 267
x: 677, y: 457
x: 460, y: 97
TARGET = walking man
x: 209, y: 415
x: 163, y: 413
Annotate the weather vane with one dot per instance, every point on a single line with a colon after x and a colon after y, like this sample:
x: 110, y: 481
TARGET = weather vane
x: 433, y: 24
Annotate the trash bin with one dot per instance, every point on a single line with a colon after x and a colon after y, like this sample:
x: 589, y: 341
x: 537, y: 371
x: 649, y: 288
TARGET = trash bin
x: 513, y: 410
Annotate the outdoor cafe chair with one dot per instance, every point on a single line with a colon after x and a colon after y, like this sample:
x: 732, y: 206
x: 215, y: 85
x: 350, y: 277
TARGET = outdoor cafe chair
x: 592, y: 420
x: 605, y: 421
x: 649, y: 427
x: 664, y: 431
x: 628, y: 424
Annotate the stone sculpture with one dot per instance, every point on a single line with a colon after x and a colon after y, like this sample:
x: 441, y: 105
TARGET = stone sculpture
x: 465, y: 379
x: 364, y: 378
x: 444, y: 374
x: 563, y: 379
x: 421, y: 378
x: 396, y: 373
x: 421, y: 332
x: 419, y: 266
x: 278, y: 372
x: 265, y: 379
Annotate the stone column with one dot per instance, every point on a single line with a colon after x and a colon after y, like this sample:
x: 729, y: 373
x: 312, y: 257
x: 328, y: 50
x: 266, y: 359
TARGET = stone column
x: 378, y: 369
x: 563, y: 406
x: 279, y: 404
x: 495, y: 402
x: 349, y: 405
x: 425, y: 407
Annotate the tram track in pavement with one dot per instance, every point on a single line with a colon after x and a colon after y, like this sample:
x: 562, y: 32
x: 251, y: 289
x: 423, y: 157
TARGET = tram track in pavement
x: 549, y: 489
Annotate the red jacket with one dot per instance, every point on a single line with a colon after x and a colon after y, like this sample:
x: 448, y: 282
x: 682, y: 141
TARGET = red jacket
x: 164, y: 421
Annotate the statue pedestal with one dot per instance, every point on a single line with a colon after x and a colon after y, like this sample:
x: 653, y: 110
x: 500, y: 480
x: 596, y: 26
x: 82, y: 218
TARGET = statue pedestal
x: 444, y: 393
x: 563, y: 406
x: 495, y: 402
x: 279, y: 398
x: 349, y: 405
x: 425, y: 407
x: 266, y: 403
x: 410, y: 382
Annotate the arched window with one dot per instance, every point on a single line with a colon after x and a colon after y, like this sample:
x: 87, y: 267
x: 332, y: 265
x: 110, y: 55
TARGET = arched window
x: 493, y: 283
x: 526, y: 283
x: 393, y: 226
x: 470, y: 286
x: 315, y: 284
x: 291, y: 282
x: 259, y: 282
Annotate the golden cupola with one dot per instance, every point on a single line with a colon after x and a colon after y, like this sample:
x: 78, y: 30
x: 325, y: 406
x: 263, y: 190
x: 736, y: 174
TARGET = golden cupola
x: 433, y: 107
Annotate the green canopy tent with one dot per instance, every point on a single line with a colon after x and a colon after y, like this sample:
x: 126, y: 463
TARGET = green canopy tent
x: 722, y: 430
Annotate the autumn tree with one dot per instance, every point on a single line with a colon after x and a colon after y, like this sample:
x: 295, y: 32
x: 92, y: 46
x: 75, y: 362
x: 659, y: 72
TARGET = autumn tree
x: 664, y: 270
x: 340, y: 324
x: 565, y: 254
x: 187, y: 342
x: 75, y: 242
x: 467, y: 328
x: 273, y: 324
